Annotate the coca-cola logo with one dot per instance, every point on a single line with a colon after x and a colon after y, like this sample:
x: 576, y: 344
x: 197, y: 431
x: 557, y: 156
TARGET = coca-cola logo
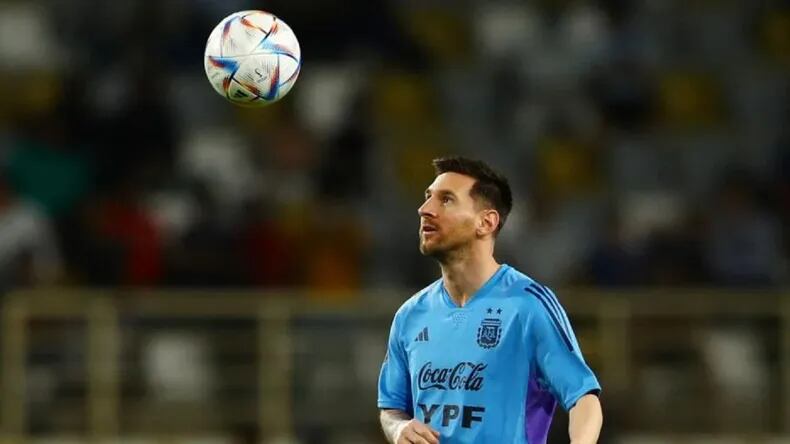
x: 464, y: 376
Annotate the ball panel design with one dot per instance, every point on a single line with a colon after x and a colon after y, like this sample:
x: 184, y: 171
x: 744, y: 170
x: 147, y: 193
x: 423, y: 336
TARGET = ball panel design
x: 252, y: 58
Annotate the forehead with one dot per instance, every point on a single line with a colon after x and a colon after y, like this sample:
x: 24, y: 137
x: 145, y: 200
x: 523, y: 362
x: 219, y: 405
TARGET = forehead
x: 459, y: 184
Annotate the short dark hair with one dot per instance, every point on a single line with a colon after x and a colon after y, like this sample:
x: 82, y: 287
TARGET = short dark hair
x: 490, y: 186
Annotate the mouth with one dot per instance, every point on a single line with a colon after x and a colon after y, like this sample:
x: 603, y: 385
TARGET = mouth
x: 428, y: 229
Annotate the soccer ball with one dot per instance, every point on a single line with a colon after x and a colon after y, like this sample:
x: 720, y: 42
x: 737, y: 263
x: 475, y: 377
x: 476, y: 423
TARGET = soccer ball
x: 252, y: 58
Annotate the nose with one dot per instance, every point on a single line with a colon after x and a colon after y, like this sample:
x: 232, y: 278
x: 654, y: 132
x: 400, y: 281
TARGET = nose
x: 427, y: 209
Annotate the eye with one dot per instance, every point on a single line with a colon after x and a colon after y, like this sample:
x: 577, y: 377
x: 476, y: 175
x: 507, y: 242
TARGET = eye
x: 446, y: 199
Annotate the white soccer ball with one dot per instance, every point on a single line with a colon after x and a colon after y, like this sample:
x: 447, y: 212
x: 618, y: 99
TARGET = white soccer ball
x: 252, y: 58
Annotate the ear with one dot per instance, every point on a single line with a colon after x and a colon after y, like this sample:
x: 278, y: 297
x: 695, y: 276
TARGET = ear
x: 488, y: 223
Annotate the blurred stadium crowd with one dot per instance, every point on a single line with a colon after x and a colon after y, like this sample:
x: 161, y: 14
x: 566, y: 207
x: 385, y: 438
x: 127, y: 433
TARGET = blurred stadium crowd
x: 648, y: 142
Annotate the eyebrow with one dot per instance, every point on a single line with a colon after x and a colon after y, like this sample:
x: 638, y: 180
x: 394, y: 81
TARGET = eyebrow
x: 428, y: 192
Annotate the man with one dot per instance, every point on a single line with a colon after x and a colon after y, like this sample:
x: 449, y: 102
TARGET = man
x: 484, y: 354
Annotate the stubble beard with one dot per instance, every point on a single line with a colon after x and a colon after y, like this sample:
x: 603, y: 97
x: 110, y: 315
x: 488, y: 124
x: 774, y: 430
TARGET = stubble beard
x: 444, y: 254
x: 451, y: 246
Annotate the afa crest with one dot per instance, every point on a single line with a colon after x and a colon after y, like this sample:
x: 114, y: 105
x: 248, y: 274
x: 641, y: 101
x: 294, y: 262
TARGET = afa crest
x: 489, y: 333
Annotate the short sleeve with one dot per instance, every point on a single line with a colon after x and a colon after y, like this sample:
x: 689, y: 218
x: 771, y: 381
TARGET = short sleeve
x: 557, y: 353
x: 394, y: 379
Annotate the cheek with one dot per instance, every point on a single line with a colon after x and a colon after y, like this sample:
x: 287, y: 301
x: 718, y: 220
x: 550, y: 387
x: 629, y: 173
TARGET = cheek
x: 470, y: 226
x: 463, y: 226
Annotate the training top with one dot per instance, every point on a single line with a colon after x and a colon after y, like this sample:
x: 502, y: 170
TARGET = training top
x: 491, y: 371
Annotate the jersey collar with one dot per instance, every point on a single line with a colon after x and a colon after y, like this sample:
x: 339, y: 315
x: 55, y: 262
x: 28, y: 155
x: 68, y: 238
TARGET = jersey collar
x: 480, y: 293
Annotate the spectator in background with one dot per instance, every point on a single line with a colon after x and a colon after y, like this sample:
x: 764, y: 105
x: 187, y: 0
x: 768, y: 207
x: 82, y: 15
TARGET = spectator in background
x: 133, y: 128
x: 270, y: 249
x: 743, y: 241
x: 614, y: 261
x: 28, y: 248
x: 672, y: 255
x: 557, y: 237
x: 330, y: 250
x: 45, y: 166
x: 343, y: 169
x: 113, y: 240
x: 783, y: 193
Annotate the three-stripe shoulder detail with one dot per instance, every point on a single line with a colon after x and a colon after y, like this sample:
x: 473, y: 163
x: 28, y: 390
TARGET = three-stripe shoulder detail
x: 553, y: 308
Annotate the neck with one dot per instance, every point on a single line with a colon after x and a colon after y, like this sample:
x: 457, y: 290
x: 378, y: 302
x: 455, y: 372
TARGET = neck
x: 464, y: 274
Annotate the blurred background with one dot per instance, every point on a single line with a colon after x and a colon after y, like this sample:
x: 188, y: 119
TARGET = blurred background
x: 176, y: 269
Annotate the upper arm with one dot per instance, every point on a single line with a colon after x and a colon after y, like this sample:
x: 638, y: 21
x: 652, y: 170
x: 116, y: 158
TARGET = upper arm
x: 585, y: 420
x: 556, y: 350
x: 394, y: 390
x: 587, y: 404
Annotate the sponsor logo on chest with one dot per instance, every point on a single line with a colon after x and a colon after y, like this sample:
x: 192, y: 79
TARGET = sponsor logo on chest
x: 466, y: 376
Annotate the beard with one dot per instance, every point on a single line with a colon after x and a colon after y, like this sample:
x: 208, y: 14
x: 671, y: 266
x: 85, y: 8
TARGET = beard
x: 429, y: 250
x: 447, y: 249
x: 451, y: 240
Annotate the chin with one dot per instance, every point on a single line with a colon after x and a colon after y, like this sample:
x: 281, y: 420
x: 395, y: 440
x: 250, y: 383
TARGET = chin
x: 434, y: 251
x: 427, y: 250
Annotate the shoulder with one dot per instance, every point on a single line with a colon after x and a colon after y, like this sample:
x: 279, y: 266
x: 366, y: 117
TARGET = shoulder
x: 419, y: 301
x: 525, y: 292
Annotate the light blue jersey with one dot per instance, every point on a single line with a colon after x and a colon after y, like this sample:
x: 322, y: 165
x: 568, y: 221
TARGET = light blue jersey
x: 489, y: 372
